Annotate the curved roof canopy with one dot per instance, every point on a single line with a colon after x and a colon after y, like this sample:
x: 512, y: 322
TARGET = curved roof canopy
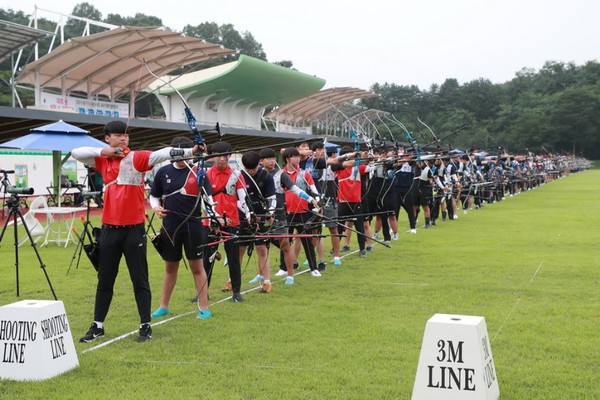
x: 313, y: 106
x: 111, y: 62
x: 249, y: 80
x: 14, y: 37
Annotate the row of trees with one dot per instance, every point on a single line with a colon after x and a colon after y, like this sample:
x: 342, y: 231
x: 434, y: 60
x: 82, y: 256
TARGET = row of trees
x: 555, y: 109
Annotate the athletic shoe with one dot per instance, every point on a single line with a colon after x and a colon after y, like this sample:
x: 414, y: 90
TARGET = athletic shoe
x: 92, y: 334
x: 305, y: 263
x: 159, y: 312
x: 413, y: 231
x: 289, y: 280
x: 387, y: 242
x: 369, y: 249
x: 315, y: 273
x: 281, y: 273
x: 363, y: 253
x: 256, y: 279
x: 145, y: 333
x: 228, y: 287
x: 337, y: 262
x: 331, y: 253
x: 204, y: 314
x: 322, y: 266
x: 266, y: 287
x: 296, y: 264
x: 376, y: 235
x: 395, y: 235
x: 345, y: 248
x: 237, y: 297
x: 455, y: 216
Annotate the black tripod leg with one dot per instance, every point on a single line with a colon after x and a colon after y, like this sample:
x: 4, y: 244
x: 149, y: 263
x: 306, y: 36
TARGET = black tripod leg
x: 16, y: 212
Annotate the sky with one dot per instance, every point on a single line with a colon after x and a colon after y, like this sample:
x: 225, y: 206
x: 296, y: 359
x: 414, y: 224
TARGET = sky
x: 402, y: 42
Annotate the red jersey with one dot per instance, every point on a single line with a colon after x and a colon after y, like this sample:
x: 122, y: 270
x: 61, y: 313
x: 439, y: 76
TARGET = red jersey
x: 224, y: 187
x: 349, y: 185
x: 124, y: 204
x: 302, y: 179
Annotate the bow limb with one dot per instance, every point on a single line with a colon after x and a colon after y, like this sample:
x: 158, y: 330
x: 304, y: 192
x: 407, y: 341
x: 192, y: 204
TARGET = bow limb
x: 428, y: 128
x: 189, y: 115
x: 198, y: 140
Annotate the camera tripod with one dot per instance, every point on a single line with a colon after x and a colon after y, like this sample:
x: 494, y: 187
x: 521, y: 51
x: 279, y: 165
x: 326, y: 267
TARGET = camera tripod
x: 86, y: 233
x: 15, y: 213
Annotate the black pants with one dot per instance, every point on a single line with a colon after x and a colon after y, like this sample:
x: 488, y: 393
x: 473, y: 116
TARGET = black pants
x: 354, y: 209
x: 232, y: 250
x: 405, y: 199
x: 303, y: 223
x: 115, y: 242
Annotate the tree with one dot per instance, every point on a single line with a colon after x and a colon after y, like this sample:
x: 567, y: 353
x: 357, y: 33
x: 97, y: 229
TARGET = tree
x: 138, y: 20
x: 227, y: 36
x: 76, y: 28
x: 577, y: 117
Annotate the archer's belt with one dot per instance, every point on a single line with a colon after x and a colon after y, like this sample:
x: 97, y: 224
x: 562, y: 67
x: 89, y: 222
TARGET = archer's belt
x: 108, y: 226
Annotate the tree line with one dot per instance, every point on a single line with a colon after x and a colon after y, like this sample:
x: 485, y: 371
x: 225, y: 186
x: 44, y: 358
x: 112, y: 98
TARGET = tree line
x: 553, y: 110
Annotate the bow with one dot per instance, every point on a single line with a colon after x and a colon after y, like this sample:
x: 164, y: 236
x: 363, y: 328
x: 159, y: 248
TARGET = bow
x: 354, y: 137
x: 198, y: 141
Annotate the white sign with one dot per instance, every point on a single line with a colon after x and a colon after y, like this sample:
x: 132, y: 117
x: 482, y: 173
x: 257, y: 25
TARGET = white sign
x: 456, y: 360
x: 85, y: 106
x: 35, y: 340
x: 304, y: 130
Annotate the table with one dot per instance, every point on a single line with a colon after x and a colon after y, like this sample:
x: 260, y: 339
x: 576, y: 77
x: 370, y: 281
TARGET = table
x: 67, y: 195
x: 63, y: 218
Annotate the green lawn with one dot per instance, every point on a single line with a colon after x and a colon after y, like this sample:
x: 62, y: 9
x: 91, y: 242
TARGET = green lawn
x: 528, y: 264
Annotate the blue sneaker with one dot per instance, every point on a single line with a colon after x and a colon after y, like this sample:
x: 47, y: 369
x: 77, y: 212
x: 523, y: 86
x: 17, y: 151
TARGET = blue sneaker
x: 159, y: 312
x: 257, y: 279
x: 289, y: 280
x: 305, y: 263
x: 337, y: 262
x: 345, y: 248
x: 204, y: 314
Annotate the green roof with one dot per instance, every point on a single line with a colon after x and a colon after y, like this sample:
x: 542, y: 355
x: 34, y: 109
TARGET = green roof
x: 250, y: 80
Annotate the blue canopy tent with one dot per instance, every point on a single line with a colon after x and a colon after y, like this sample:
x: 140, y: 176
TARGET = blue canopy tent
x: 59, y: 137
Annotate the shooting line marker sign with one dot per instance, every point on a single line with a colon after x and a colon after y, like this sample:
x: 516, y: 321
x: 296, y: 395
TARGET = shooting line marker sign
x: 456, y: 360
x: 35, y: 340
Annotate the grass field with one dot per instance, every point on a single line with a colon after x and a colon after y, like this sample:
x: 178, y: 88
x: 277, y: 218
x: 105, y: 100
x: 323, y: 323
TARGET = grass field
x: 529, y: 265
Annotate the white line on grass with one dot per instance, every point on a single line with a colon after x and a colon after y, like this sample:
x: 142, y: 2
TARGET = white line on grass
x: 228, y: 364
x: 517, y: 302
x: 400, y: 283
x: 123, y: 336
x: 536, y: 271
x: 507, y: 317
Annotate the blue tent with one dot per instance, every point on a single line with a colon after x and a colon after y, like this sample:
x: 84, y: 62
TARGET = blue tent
x: 59, y: 137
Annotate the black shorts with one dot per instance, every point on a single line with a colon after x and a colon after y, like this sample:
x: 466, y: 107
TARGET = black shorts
x: 330, y: 214
x: 191, y: 242
x: 424, y: 196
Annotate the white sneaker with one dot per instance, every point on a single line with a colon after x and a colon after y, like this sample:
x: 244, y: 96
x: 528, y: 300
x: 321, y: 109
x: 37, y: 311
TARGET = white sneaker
x: 281, y: 273
x: 455, y: 216
x: 376, y: 235
x: 413, y: 231
x: 315, y: 273
x: 395, y: 235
